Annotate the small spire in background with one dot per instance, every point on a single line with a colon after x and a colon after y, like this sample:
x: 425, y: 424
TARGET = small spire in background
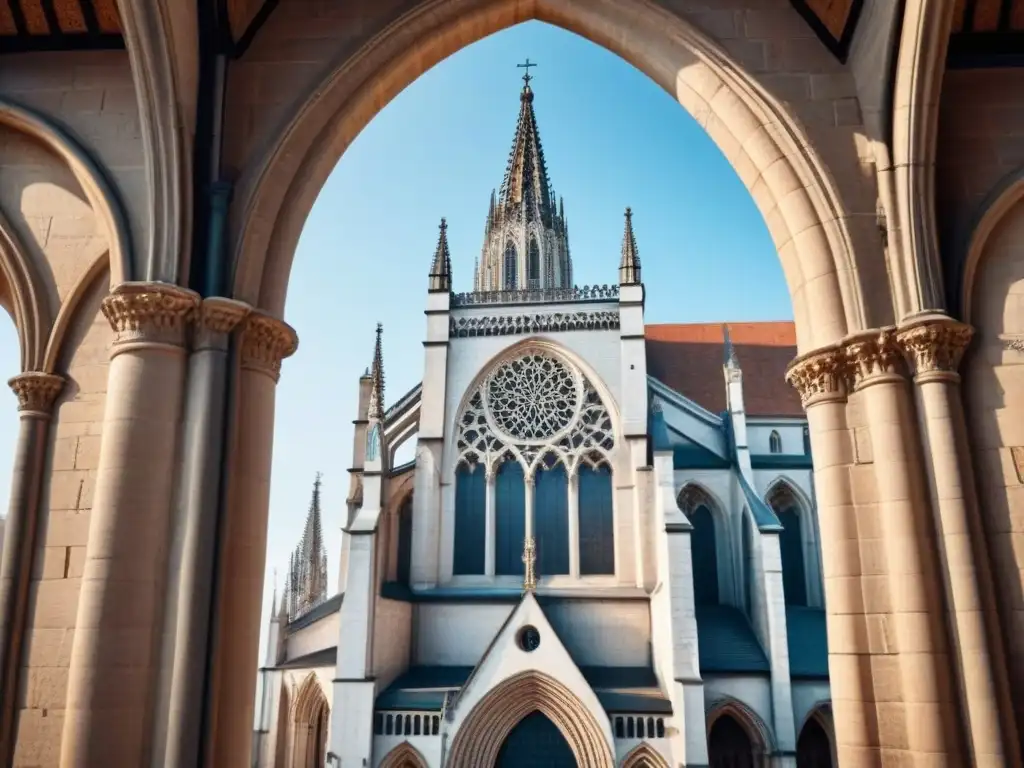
x: 376, y: 406
x: 730, y: 350
x: 441, y: 267
x: 629, y: 267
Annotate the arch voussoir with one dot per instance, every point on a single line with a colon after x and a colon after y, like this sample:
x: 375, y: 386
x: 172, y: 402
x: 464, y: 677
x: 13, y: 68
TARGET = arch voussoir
x: 480, y: 737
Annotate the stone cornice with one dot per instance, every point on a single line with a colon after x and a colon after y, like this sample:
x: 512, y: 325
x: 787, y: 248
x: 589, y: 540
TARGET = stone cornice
x: 150, y: 312
x: 819, y: 376
x: 934, y: 346
x: 873, y: 356
x: 36, y: 392
x: 266, y: 341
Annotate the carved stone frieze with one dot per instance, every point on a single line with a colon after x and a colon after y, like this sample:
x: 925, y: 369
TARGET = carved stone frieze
x: 537, y: 295
x: 36, y: 392
x: 820, y: 376
x: 872, y: 355
x: 935, y: 345
x: 512, y: 325
x: 150, y: 312
x: 266, y: 341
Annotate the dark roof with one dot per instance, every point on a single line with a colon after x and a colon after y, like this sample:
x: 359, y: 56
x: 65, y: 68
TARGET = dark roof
x: 28, y: 25
x: 726, y: 641
x: 619, y: 689
x: 325, y: 657
x: 808, y: 642
x: 326, y: 608
x: 689, y: 358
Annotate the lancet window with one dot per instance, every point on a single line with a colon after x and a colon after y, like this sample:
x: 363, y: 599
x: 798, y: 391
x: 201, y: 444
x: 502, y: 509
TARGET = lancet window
x: 533, y: 264
x: 510, y: 267
x: 791, y: 543
x: 534, y: 444
x: 774, y: 442
x: 696, y: 504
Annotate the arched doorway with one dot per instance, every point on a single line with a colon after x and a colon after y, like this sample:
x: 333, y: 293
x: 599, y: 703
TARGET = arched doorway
x: 311, y: 722
x: 813, y: 749
x: 536, y: 742
x: 729, y: 745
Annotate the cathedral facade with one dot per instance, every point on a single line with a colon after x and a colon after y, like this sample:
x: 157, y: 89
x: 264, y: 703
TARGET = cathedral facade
x: 605, y: 553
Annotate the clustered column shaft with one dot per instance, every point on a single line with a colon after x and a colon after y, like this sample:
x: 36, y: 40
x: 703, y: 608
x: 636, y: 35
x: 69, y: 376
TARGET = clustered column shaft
x: 36, y: 394
x: 903, y: 654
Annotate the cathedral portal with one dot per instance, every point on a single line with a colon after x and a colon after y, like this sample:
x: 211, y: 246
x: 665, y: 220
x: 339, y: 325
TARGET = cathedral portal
x: 536, y: 742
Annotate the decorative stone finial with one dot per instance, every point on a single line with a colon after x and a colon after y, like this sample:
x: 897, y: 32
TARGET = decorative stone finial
x: 529, y: 563
x: 441, y: 267
x: 629, y: 266
x: 36, y: 392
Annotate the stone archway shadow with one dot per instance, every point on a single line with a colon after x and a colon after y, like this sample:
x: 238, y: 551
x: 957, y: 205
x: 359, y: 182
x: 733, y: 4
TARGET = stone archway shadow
x: 765, y: 145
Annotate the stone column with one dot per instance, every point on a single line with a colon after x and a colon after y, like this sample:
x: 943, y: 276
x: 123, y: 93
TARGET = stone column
x: 36, y: 394
x: 574, y: 524
x: 489, y: 521
x: 115, y: 652
x: 263, y: 343
x: 934, y: 346
x: 911, y: 667
x: 850, y: 597
x: 190, y: 588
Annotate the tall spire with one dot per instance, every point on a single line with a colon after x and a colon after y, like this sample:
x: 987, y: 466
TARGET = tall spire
x: 526, y: 243
x: 441, y: 267
x: 309, y: 561
x: 376, y: 409
x: 629, y: 267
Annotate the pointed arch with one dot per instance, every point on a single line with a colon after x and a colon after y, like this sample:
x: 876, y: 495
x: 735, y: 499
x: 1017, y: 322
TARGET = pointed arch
x: 643, y: 755
x: 775, y: 442
x: 820, y: 716
x: 480, y: 736
x: 405, y: 755
x: 761, y: 740
x: 310, y: 718
x: 510, y: 267
x: 98, y: 191
x: 550, y: 489
x: 797, y: 541
x: 709, y: 543
x: 533, y: 264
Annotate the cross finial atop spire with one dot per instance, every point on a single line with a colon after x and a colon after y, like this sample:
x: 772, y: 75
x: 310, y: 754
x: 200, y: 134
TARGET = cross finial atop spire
x: 629, y: 266
x: 526, y: 76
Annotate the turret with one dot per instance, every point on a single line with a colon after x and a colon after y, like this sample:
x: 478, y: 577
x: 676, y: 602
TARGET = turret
x: 441, y: 266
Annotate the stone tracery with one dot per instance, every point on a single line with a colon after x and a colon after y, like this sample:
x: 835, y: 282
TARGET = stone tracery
x: 533, y: 405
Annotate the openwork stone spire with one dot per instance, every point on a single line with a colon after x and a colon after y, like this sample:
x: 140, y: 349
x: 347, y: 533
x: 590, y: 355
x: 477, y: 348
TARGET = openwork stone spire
x: 376, y: 406
x: 526, y: 242
x: 441, y: 268
x: 730, y: 351
x: 307, y: 586
x: 629, y: 267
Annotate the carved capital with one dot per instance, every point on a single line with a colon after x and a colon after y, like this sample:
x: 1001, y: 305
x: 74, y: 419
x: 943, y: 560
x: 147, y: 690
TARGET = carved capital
x: 935, y: 346
x: 819, y: 376
x: 266, y: 341
x: 216, y: 319
x: 36, y: 392
x: 150, y: 312
x: 873, y: 355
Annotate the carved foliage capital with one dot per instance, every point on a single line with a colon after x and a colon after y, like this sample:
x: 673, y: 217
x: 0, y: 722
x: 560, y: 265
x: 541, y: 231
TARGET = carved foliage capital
x: 819, y: 376
x: 935, y: 346
x: 220, y: 315
x: 873, y: 354
x: 36, y: 392
x: 150, y: 312
x: 266, y: 341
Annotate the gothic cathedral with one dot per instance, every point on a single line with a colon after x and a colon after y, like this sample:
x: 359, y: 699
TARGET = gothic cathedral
x: 605, y: 552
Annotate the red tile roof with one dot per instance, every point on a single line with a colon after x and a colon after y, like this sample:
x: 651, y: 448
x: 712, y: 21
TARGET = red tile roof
x: 688, y: 358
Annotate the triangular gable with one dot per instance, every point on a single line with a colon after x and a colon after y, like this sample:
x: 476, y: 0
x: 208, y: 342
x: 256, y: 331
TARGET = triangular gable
x: 505, y: 658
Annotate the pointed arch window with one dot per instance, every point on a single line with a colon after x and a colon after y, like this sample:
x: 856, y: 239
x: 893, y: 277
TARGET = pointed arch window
x: 470, y: 518
x: 775, y: 442
x: 597, y: 526
x: 509, y: 518
x: 807, y: 441
x: 791, y: 544
x: 696, y: 505
x: 551, y: 516
x: 510, y: 267
x: 533, y: 264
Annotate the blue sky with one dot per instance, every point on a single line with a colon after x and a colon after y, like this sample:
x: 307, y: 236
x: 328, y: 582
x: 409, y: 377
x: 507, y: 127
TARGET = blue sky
x: 612, y: 138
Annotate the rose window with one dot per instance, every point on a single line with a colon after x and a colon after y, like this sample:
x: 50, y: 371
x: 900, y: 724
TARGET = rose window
x: 533, y: 397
